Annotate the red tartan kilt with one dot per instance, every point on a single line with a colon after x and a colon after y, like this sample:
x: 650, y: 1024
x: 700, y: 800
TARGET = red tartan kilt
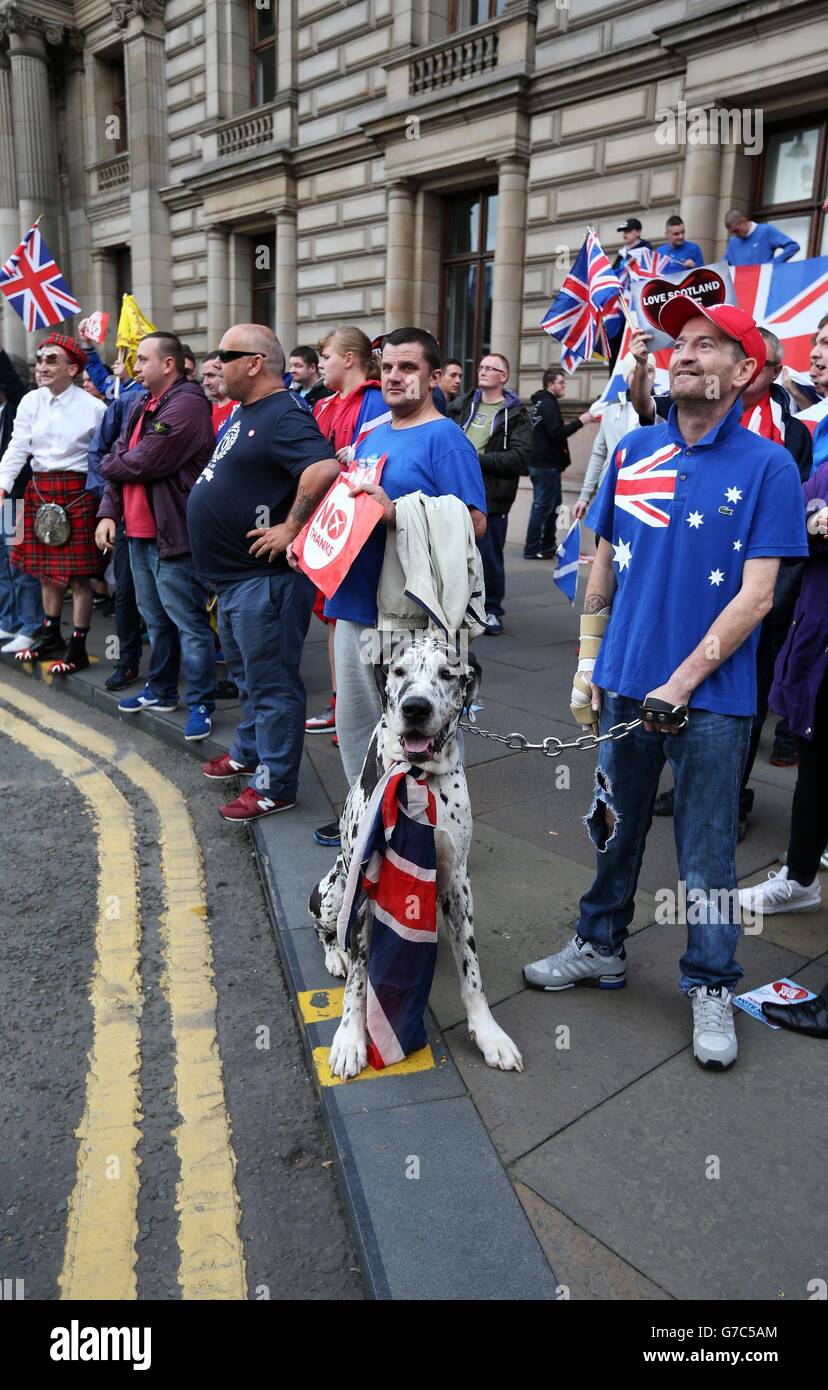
x: 79, y: 557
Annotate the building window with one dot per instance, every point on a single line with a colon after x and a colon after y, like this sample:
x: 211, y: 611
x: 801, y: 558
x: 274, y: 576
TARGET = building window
x: 262, y: 51
x: 468, y: 268
x: 465, y: 13
x: 263, y: 254
x: 792, y: 184
x: 122, y: 263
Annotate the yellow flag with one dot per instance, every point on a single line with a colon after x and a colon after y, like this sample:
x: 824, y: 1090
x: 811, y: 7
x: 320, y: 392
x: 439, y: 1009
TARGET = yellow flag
x: 132, y: 327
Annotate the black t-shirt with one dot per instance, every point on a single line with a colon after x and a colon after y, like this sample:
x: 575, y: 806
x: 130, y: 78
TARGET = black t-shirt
x: 251, y: 481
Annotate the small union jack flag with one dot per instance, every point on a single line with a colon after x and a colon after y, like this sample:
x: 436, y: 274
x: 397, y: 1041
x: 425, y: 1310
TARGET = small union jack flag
x: 644, y: 261
x: 586, y: 297
x: 34, y: 286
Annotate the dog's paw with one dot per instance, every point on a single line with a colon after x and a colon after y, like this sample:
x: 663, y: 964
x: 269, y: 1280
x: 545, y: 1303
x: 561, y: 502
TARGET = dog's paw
x: 497, y: 1047
x: 337, y: 961
x: 349, y: 1051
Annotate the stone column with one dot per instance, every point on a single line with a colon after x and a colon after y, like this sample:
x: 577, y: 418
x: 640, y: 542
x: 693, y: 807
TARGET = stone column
x: 700, y: 196
x: 218, y: 283
x: 103, y: 291
x: 13, y: 332
x: 34, y: 128
x: 399, y: 256
x: 148, y: 167
x: 510, y: 251
x: 286, y: 277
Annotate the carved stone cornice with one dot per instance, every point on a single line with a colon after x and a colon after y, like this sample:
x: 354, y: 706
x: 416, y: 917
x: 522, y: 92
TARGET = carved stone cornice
x: 14, y: 19
x: 125, y: 10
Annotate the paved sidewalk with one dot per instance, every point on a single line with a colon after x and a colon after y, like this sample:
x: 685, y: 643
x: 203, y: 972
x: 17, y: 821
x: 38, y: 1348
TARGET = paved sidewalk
x: 642, y: 1176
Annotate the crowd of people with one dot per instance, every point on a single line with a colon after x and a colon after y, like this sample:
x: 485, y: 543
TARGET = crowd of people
x: 707, y: 592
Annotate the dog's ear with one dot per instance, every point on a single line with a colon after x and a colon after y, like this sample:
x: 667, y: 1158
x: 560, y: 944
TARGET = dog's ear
x: 474, y: 675
x: 381, y: 678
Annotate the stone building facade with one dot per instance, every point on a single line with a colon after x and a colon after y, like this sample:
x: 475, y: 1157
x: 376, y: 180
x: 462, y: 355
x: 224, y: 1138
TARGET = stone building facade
x: 309, y: 162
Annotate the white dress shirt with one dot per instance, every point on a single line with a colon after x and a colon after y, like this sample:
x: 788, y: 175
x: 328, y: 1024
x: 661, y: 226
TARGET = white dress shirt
x: 55, y: 430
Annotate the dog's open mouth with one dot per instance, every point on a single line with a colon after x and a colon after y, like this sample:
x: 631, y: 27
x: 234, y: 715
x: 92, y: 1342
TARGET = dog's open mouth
x: 420, y: 748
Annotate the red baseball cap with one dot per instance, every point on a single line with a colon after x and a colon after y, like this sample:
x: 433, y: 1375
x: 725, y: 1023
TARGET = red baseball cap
x: 730, y: 319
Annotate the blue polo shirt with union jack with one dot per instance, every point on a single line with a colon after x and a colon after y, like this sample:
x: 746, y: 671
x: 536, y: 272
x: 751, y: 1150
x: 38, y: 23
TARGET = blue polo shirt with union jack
x: 682, y: 520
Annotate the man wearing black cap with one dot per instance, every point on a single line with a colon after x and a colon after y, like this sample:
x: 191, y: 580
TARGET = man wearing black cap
x: 630, y: 230
x: 692, y: 518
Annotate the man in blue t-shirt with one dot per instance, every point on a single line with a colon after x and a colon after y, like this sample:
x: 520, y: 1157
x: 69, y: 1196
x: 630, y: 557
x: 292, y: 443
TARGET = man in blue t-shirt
x: 693, y: 517
x: 268, y: 471
x: 756, y: 243
x: 685, y: 253
x: 425, y: 453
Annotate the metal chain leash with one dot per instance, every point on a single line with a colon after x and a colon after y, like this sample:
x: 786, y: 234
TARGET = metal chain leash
x: 550, y: 747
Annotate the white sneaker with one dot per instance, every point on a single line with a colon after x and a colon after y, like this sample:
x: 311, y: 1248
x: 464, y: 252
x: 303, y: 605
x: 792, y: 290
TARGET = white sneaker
x: 577, y: 964
x: 17, y: 644
x: 714, y: 1035
x: 779, y: 893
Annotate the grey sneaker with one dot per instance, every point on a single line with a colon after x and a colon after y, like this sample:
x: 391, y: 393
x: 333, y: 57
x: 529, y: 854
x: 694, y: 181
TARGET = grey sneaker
x: 577, y: 964
x: 714, y: 1035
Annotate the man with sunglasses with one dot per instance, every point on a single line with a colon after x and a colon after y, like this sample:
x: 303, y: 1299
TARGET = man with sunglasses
x: 267, y: 473
x: 54, y: 426
x: 162, y: 449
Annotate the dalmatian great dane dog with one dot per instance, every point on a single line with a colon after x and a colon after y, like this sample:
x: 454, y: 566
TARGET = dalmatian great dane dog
x: 424, y: 692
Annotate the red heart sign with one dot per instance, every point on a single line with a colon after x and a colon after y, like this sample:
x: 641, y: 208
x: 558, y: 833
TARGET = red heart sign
x: 790, y: 993
x: 703, y: 284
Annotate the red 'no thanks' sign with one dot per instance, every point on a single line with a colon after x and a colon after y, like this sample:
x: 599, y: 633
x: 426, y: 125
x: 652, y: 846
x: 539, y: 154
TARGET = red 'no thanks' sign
x: 327, y: 546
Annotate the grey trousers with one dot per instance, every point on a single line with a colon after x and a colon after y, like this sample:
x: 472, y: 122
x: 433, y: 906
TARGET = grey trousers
x: 358, y: 705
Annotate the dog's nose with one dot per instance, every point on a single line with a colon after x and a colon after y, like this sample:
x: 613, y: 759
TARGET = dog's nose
x: 416, y: 708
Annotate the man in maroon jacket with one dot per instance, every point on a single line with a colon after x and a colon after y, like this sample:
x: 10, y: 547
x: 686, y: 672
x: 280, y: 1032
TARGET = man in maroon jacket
x: 163, y: 448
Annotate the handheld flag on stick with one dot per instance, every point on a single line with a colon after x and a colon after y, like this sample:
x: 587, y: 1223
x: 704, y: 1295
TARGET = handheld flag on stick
x: 34, y: 285
x: 565, y: 573
x: 584, y: 303
x: 132, y: 327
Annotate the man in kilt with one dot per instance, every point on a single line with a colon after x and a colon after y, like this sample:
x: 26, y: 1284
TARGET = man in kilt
x: 53, y: 427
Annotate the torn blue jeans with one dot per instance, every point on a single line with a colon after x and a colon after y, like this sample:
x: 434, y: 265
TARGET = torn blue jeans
x: 707, y: 758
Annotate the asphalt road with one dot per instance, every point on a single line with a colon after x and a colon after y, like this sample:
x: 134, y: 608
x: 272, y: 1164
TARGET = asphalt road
x: 217, y: 1099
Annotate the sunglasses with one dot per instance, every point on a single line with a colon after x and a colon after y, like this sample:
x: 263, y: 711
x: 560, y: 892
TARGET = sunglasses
x: 229, y: 355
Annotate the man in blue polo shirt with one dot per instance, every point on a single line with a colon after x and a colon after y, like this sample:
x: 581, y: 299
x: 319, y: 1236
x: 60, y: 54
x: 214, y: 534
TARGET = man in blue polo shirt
x: 425, y: 452
x: 693, y: 517
x: 686, y: 253
x: 756, y: 243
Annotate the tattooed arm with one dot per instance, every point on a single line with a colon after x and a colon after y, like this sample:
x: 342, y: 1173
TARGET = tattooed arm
x: 585, y: 701
x: 272, y: 541
x: 601, y: 587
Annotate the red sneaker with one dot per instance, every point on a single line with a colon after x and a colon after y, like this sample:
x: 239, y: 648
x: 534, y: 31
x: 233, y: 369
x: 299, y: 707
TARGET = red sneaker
x: 221, y: 768
x: 251, y: 805
x: 322, y: 723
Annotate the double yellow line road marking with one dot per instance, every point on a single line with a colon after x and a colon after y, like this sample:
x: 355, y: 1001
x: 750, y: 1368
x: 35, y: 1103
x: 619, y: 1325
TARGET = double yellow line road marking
x: 99, y: 1259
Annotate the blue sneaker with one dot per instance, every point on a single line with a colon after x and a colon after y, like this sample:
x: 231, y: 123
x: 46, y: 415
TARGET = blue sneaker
x: 199, y: 725
x: 133, y: 704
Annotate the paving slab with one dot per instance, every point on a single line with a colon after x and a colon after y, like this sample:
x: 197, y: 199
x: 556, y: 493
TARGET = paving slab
x: 457, y: 1230
x: 714, y: 1184
x: 582, y: 1046
x: 803, y: 932
x: 585, y: 1268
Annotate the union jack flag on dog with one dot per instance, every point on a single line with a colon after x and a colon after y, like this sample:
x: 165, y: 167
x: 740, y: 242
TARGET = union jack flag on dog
x: 34, y: 286
x: 585, y: 300
x: 395, y: 865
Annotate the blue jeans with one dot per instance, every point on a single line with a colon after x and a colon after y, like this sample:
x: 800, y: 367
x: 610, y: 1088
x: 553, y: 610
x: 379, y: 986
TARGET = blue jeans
x: 707, y: 758
x: 173, y: 601
x: 546, y: 499
x: 21, y: 609
x: 263, y: 622
x: 494, y: 573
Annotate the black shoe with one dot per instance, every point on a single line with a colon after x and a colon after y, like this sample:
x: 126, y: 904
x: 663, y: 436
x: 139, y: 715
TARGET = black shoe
x: 227, y: 690
x: 121, y: 677
x: 743, y: 825
x: 810, y: 1017
x: 328, y: 835
x: 493, y: 627
x: 45, y: 642
x: 75, y: 658
x: 665, y: 803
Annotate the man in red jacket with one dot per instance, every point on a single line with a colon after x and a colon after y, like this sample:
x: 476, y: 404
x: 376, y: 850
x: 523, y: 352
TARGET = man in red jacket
x: 163, y: 448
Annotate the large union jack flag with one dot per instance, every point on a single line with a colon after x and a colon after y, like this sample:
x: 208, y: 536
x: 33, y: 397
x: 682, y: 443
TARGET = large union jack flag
x: 587, y: 296
x: 789, y: 299
x: 34, y: 286
x: 642, y: 485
